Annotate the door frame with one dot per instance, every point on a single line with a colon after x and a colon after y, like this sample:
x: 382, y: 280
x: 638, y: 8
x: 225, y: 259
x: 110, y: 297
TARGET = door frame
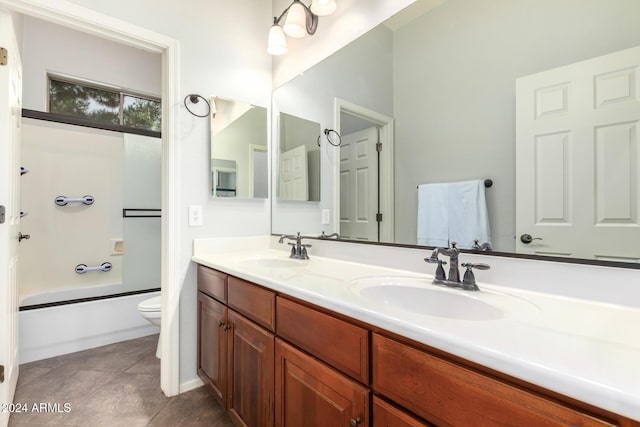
x: 253, y: 148
x: 89, y: 21
x: 385, y: 125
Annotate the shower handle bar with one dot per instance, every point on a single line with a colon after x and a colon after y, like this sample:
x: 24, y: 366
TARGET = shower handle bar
x: 82, y: 268
x: 63, y: 200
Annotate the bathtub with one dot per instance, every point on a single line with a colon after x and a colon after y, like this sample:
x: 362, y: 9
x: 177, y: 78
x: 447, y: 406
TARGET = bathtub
x: 50, y: 326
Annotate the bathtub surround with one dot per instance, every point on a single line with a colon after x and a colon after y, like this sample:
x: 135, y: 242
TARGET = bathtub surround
x: 59, y: 330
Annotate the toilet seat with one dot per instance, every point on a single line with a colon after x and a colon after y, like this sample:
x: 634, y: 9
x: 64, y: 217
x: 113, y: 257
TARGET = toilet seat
x: 150, y: 305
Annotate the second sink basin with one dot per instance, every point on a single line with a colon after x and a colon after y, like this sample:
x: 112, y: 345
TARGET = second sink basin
x: 418, y: 295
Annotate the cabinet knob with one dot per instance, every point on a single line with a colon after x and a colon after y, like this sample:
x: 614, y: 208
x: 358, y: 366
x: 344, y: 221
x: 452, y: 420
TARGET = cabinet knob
x: 353, y: 422
x: 227, y: 327
x: 220, y: 323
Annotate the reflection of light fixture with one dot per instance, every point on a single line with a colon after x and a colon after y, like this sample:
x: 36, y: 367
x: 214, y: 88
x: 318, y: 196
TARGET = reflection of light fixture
x: 300, y: 19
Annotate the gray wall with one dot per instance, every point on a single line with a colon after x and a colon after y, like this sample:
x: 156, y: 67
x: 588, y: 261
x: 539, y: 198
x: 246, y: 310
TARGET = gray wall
x: 454, y: 89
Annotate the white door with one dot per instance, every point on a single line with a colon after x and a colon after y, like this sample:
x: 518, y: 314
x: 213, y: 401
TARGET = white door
x: 10, y: 116
x: 359, y: 185
x: 578, y: 158
x: 294, y: 181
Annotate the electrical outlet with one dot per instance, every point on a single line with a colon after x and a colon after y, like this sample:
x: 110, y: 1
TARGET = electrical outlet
x: 195, y: 216
x: 326, y: 216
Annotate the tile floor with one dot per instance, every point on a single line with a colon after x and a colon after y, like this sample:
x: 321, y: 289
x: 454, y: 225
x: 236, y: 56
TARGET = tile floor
x: 114, y: 385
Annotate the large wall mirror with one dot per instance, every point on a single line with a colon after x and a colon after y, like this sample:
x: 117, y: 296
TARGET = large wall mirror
x: 541, y: 97
x: 239, y: 160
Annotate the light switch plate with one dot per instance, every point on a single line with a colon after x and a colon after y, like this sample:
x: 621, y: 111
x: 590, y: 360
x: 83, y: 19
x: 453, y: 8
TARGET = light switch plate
x: 326, y: 216
x: 195, y: 216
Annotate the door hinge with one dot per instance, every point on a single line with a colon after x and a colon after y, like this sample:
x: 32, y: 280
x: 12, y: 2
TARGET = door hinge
x: 379, y: 147
x: 378, y: 217
x: 2, y: 214
x: 1, y: 373
x: 3, y: 56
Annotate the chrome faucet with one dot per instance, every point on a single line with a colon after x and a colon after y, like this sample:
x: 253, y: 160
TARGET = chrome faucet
x: 298, y: 250
x: 468, y: 282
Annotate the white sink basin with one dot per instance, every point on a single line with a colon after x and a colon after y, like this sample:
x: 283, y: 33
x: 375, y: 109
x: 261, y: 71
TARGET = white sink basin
x: 273, y: 263
x: 420, y: 296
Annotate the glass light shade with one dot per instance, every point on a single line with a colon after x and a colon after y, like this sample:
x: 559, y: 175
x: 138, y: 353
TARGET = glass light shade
x: 295, y: 24
x: 323, y: 7
x: 277, y: 41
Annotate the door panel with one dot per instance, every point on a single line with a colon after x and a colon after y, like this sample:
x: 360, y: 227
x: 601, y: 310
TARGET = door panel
x: 10, y: 119
x: 577, y: 159
x: 359, y: 185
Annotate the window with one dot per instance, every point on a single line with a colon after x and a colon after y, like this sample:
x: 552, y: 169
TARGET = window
x: 104, y: 104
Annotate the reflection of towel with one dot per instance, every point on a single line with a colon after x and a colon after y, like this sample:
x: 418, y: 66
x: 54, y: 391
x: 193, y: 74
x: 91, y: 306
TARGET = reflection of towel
x: 433, y: 216
x: 468, y: 215
x: 453, y: 212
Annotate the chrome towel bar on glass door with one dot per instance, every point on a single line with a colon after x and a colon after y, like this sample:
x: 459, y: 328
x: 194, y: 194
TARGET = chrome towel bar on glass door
x: 64, y: 200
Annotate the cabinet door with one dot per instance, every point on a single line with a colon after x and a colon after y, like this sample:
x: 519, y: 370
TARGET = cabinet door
x: 308, y: 393
x: 212, y: 346
x: 251, y: 374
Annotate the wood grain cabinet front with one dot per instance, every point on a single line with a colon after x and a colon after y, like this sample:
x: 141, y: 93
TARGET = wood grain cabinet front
x: 251, y: 373
x: 448, y: 394
x: 387, y: 415
x: 212, y: 283
x: 255, y: 302
x: 340, y: 344
x: 310, y: 394
x: 212, y: 346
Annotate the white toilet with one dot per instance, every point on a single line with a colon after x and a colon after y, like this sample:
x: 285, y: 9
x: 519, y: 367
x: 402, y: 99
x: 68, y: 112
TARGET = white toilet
x: 150, y: 309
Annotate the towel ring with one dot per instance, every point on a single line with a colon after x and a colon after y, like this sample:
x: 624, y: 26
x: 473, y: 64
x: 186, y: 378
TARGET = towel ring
x: 195, y: 98
x: 337, y: 136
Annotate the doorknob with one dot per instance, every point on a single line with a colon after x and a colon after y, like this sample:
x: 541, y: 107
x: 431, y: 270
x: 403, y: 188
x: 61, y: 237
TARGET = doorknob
x: 526, y: 238
x: 22, y: 237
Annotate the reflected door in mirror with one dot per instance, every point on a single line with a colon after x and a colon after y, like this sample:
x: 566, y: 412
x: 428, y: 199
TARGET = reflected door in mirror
x: 577, y: 159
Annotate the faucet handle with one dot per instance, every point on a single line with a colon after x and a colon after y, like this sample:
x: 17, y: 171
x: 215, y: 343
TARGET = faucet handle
x: 469, y: 280
x: 478, y: 266
x: 439, y: 275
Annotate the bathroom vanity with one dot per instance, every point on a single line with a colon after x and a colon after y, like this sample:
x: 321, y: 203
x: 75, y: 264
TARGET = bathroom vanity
x: 288, y: 341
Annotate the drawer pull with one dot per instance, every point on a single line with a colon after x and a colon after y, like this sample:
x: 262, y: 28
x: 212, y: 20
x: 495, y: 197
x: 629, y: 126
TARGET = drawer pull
x: 353, y: 422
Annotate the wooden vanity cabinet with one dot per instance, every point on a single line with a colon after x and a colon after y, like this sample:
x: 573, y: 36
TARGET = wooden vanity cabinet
x: 309, y: 393
x: 251, y: 375
x: 236, y: 354
x: 387, y: 415
x: 274, y: 360
x: 447, y: 393
x: 212, y: 345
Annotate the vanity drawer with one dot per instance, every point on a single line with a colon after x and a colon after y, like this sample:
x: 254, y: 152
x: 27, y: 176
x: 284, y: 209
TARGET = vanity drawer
x: 338, y: 343
x: 386, y: 415
x: 446, y: 393
x: 212, y: 283
x: 256, y: 303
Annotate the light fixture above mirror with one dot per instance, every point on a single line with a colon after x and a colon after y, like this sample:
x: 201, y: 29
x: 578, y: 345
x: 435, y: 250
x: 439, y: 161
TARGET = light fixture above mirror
x: 299, y: 20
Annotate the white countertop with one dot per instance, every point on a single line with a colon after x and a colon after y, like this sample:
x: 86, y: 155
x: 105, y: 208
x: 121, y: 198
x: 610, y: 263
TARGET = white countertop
x: 583, y: 349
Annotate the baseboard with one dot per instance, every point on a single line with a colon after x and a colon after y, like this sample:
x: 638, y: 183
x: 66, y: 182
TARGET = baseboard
x: 191, y: 385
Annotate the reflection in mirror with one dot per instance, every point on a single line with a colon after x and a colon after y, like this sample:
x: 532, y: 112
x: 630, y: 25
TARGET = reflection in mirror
x: 238, y: 149
x: 299, y: 159
x: 540, y: 97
